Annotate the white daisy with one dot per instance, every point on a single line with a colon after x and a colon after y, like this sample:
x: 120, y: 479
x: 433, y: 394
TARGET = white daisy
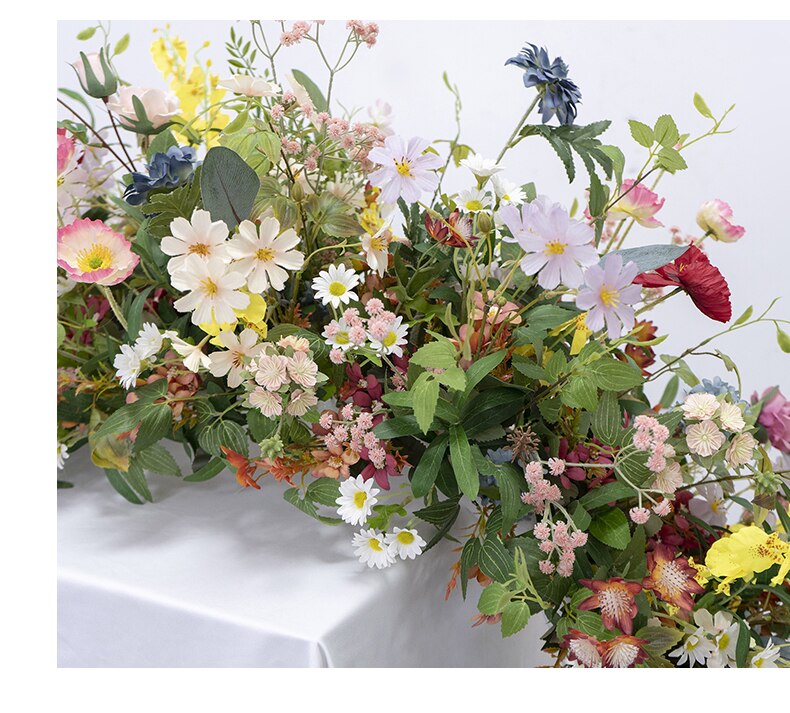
x: 128, y: 365
x: 213, y: 290
x: 357, y: 498
x: 264, y: 255
x: 724, y: 648
x: 370, y: 548
x: 340, y: 338
x: 149, y: 341
x: 508, y: 192
x: 201, y: 236
x: 404, y: 543
x: 695, y: 649
x: 336, y: 285
x: 473, y: 200
x: 235, y: 360
x: 482, y: 167
x: 63, y: 454
x: 192, y: 355
x: 393, y: 341
x: 766, y: 658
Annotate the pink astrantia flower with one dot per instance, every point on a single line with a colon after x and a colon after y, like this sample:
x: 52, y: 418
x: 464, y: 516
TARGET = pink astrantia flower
x: 90, y: 251
x: 607, y: 293
x: 405, y: 171
x: 639, y: 515
x: 704, y: 438
x: 556, y: 246
x: 637, y: 202
x: 715, y: 218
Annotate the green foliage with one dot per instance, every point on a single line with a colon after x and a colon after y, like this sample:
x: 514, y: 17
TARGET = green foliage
x: 228, y: 186
x: 611, y: 528
x: 427, y: 469
x: 165, y: 207
x: 316, y: 96
x: 461, y: 459
x: 650, y: 257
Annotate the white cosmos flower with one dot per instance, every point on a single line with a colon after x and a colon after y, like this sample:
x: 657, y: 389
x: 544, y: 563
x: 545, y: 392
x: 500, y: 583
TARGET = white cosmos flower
x: 357, y: 498
x: 393, y: 341
x: 695, y: 649
x: 199, y: 236
x: 233, y: 361
x: 63, y: 454
x: 406, y: 544
x: 213, y: 290
x: 480, y: 166
x: 192, y: 355
x: 766, y: 658
x: 149, y: 341
x: 710, y: 507
x: 473, y: 200
x: 370, y: 548
x: 250, y: 86
x: 263, y: 255
x: 405, y: 171
x: 376, y: 248
x: 128, y: 365
x: 336, y: 285
x: 508, y: 192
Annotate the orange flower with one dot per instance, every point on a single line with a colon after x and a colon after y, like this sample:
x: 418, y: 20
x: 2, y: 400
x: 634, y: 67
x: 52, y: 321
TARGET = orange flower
x: 245, y: 470
x: 671, y: 579
x: 615, y: 598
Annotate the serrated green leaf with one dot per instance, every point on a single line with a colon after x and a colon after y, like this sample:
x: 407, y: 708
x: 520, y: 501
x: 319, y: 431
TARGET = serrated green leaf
x: 461, y: 459
x: 666, y: 131
x: 642, y: 133
x: 515, y: 616
x: 158, y: 459
x: 440, y: 354
x: 614, y: 375
x: 122, y: 487
x: 670, y: 160
x: 493, y: 599
x: 612, y: 529
x: 426, y: 395
x: 324, y: 491
x: 607, y: 420
x: 481, y: 368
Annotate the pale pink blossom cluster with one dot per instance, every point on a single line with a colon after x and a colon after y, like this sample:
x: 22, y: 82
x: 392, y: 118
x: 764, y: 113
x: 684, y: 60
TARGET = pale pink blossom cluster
x: 540, y: 490
x: 364, y: 32
x: 351, y: 428
x: 639, y: 515
x: 383, y: 328
x: 651, y: 436
x: 296, y: 34
x: 558, y: 539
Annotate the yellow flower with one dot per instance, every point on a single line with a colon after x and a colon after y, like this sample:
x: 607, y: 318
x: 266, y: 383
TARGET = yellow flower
x: 746, y: 552
x: 581, y: 335
x: 253, y: 316
x: 703, y: 573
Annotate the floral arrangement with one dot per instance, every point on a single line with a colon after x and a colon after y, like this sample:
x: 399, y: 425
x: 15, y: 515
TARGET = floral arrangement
x: 287, y: 291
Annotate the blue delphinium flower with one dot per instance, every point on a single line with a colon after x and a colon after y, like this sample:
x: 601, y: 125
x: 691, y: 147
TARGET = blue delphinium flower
x: 166, y: 170
x: 717, y: 387
x: 558, y: 93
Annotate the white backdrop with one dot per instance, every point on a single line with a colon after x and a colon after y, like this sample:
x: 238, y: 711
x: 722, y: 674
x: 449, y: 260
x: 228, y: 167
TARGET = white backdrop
x: 625, y: 70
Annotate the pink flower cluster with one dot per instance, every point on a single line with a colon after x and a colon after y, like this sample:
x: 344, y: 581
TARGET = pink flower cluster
x: 651, y: 436
x: 355, y: 329
x: 352, y: 428
x: 367, y: 33
x: 540, y: 490
x: 557, y: 538
x: 296, y: 34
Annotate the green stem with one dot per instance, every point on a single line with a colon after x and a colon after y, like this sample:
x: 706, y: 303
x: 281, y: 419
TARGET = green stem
x: 116, y: 309
x: 521, y: 121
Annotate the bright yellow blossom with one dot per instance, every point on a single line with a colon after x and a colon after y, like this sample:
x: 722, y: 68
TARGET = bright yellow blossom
x: 746, y: 552
x: 253, y: 316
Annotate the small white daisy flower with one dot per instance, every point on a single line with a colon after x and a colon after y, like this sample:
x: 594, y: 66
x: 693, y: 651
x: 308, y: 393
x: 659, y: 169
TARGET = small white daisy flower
x: 480, y: 166
x: 63, y: 454
x: 191, y: 355
x: 336, y: 285
x: 357, y: 498
x: 766, y: 658
x: 697, y: 648
x: 393, y: 341
x: 149, y: 341
x: 508, y: 192
x: 406, y: 544
x: 340, y: 338
x: 128, y: 365
x: 370, y: 548
x: 473, y: 200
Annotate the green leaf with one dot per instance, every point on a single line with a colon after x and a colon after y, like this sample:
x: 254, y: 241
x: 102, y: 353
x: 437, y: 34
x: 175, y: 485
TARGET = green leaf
x: 607, y: 421
x: 136, y: 479
x: 397, y: 428
x: 469, y: 557
x: 161, y: 143
x: 312, y: 89
x: 428, y: 468
x: 154, y: 426
x: 666, y: 131
x: 670, y: 160
x: 439, y: 512
x: 649, y: 257
x: 611, y: 492
x: 580, y: 393
x: 440, y: 354
x: 86, y: 34
x: 581, y: 518
x: 426, y: 395
x: 618, y: 161
x: 556, y: 365
x: 702, y: 107
x: 121, y: 486
x: 121, y: 45
x: 324, y: 491
x: 509, y: 481
x: 223, y: 433
x: 158, y: 459
x: 61, y: 334
x: 453, y: 378
x: 493, y: 599
x: 134, y: 315
x: 660, y: 639
x: 614, y: 375
x: 612, y: 529
x: 124, y: 419
x: 783, y: 339
x: 742, y: 647
x: 213, y: 468
x: 550, y: 409
x: 529, y: 368
x: 670, y: 392
x: 515, y: 617
x: 481, y: 368
x: 744, y: 317
x: 461, y: 459
x: 260, y: 426
x: 228, y: 186
x: 491, y: 408
x: 495, y: 561
x: 642, y: 133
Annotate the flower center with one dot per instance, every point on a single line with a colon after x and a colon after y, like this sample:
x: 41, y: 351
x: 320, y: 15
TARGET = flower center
x: 265, y: 254
x: 96, y: 257
x: 609, y: 296
x: 342, y: 338
x: 199, y: 249
x: 337, y: 289
x: 474, y: 205
x: 554, y: 247
x: 390, y: 339
x: 374, y: 544
x: 404, y: 167
x: 378, y: 244
x: 209, y: 287
x: 360, y: 498
x: 405, y: 537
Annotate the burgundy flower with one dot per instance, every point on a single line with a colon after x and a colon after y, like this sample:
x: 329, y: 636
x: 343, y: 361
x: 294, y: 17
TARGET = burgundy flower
x: 672, y: 579
x: 694, y: 274
x: 380, y: 475
x: 623, y: 652
x: 615, y: 598
x: 362, y: 390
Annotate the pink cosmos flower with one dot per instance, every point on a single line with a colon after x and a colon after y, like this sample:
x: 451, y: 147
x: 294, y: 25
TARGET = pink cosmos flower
x: 715, y: 218
x: 775, y: 416
x: 555, y: 244
x: 90, y: 251
x: 607, y: 293
x: 405, y: 172
x: 638, y: 202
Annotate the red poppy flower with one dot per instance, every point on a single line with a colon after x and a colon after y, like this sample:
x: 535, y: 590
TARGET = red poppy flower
x: 694, y: 274
x: 615, y: 598
x: 671, y: 579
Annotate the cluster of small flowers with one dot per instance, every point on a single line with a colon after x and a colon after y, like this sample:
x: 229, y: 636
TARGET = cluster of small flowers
x: 296, y: 34
x: 132, y: 359
x: 381, y: 331
x: 367, y: 33
x: 651, y: 436
x: 558, y: 538
x: 352, y: 429
x: 540, y: 490
x: 712, y: 413
x: 284, y: 371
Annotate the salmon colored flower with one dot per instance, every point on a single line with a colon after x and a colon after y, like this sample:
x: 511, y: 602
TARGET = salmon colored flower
x: 694, y: 274
x: 334, y: 462
x: 245, y: 470
x: 672, y: 579
x: 615, y: 598
x: 90, y: 251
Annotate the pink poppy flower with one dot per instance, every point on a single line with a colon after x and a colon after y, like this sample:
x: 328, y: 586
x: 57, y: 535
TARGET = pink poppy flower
x: 715, y: 218
x: 637, y: 202
x: 90, y: 251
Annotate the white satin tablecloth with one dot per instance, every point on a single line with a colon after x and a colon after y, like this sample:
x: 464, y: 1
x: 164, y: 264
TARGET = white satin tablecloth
x: 211, y: 575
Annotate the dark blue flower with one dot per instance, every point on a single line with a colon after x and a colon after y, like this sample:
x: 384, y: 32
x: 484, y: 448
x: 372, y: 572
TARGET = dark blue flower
x: 558, y: 93
x: 166, y: 170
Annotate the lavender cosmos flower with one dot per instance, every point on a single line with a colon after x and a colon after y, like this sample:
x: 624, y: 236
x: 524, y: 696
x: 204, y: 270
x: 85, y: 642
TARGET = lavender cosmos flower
x: 165, y: 171
x: 608, y: 294
x: 559, y: 94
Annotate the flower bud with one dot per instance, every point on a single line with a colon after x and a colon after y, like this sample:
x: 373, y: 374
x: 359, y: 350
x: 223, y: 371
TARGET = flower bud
x: 484, y: 223
x: 297, y: 192
x: 145, y: 111
x: 96, y: 78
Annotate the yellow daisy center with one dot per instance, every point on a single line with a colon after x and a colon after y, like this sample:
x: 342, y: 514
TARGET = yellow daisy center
x: 609, y: 296
x: 474, y: 204
x: 374, y: 544
x: 390, y: 339
x: 360, y: 498
x: 404, y: 167
x: 265, y: 254
x: 554, y: 247
x: 96, y: 257
x: 336, y: 289
x: 209, y: 287
x: 199, y: 249
x: 342, y: 338
x: 405, y: 537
